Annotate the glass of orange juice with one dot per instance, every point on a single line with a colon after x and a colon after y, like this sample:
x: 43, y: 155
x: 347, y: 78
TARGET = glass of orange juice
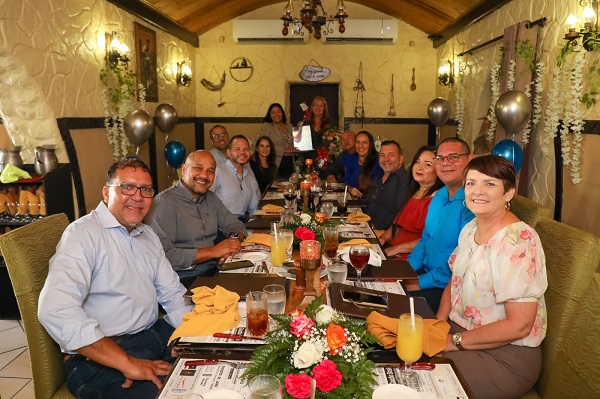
x: 278, y: 249
x: 409, y: 345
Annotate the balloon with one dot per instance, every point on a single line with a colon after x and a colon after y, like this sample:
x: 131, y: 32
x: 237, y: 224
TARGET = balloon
x: 138, y: 126
x: 510, y: 150
x: 165, y: 117
x: 439, y: 111
x: 175, y: 153
x: 513, y: 109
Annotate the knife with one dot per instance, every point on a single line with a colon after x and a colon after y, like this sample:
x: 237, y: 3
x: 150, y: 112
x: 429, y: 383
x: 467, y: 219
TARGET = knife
x: 199, y: 362
x: 235, y: 337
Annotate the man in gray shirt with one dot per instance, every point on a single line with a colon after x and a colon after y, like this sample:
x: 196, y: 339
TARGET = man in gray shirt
x: 187, y: 218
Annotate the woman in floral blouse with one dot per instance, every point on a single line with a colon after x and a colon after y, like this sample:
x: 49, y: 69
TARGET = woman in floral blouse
x: 495, y: 298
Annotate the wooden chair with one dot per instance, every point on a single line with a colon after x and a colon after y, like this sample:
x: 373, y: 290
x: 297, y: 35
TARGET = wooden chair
x: 27, y: 252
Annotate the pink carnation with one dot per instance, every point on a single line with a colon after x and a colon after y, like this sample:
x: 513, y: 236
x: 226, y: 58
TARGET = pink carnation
x: 304, y: 233
x: 298, y: 385
x: 327, y: 376
x: 301, y: 325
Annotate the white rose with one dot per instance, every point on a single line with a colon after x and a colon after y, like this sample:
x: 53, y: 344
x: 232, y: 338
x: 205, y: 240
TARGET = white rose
x: 305, y: 218
x: 324, y: 314
x: 307, y: 354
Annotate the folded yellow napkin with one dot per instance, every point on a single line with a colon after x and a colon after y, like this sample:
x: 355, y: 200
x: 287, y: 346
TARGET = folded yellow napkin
x: 378, y: 233
x: 355, y: 241
x: 216, y: 310
x: 262, y: 239
x: 11, y: 173
x: 273, y: 208
x: 358, y: 216
x: 385, y: 329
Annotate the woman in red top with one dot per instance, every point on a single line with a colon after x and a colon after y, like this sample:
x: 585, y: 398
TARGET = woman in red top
x: 405, y: 232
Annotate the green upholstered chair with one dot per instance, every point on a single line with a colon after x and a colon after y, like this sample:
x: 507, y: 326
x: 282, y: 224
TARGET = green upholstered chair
x: 527, y: 210
x: 572, y: 256
x: 27, y: 252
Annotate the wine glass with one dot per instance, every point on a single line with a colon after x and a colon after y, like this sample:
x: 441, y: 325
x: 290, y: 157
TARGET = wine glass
x: 359, y: 257
x: 289, y: 194
x: 409, y: 345
x: 342, y: 209
x: 327, y: 209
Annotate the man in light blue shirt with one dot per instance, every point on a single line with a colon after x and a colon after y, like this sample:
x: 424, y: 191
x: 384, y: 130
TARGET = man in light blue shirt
x: 445, y: 219
x: 235, y: 184
x: 220, y: 140
x: 100, y: 299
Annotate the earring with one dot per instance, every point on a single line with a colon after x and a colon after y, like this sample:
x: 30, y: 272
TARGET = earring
x: 507, y: 205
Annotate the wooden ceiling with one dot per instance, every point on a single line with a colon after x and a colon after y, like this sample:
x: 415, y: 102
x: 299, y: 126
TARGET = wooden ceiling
x: 440, y: 19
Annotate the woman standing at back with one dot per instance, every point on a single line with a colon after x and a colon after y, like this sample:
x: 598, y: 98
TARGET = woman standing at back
x: 277, y: 128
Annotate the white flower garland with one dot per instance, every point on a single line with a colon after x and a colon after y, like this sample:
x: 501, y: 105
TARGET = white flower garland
x: 491, y: 116
x: 554, y: 109
x: 460, y: 105
x: 576, y: 115
x: 532, y: 123
x: 510, y: 79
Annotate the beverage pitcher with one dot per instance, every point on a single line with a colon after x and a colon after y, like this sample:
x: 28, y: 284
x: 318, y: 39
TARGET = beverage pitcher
x: 45, y: 159
x: 11, y: 156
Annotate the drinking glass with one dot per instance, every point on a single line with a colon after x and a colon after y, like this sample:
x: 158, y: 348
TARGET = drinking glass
x: 326, y: 185
x: 265, y: 387
x: 327, y: 209
x: 287, y: 217
x: 409, y: 345
x: 257, y: 314
x: 288, y: 236
x: 278, y: 249
x: 342, y: 209
x: 275, y: 298
x: 330, y: 234
x: 359, y: 257
x: 337, y: 271
x: 289, y: 194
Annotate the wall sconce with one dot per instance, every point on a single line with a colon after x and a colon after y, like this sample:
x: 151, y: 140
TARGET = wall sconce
x: 589, y: 25
x: 116, y: 50
x: 446, y: 74
x: 184, y: 73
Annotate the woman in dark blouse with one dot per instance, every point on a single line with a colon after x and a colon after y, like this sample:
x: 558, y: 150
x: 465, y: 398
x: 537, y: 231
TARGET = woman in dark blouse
x: 263, y: 162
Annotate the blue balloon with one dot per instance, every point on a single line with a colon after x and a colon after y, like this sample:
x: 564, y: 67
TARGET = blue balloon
x: 510, y: 150
x: 175, y: 153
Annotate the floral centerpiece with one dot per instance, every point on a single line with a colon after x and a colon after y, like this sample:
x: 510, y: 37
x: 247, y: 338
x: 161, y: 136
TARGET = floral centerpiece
x: 308, y: 226
x: 320, y: 344
x: 332, y: 142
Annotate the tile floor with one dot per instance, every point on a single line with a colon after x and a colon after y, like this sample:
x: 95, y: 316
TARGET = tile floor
x: 15, y: 372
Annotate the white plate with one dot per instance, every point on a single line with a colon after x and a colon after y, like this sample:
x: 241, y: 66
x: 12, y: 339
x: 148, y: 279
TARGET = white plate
x: 282, y: 272
x: 255, y: 256
x: 222, y: 394
x: 393, y: 391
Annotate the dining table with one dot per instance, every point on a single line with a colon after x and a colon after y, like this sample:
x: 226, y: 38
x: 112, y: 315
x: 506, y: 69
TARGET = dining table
x: 233, y: 350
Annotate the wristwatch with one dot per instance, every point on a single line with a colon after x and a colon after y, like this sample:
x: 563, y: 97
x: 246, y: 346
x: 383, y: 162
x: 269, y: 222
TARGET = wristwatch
x: 457, y: 341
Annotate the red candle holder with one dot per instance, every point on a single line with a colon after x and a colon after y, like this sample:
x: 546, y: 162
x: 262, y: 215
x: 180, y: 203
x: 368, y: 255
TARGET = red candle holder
x: 310, y: 261
x: 308, y: 162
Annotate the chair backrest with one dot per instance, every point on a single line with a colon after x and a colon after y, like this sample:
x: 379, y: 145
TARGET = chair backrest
x: 572, y: 256
x: 27, y: 252
x: 527, y: 210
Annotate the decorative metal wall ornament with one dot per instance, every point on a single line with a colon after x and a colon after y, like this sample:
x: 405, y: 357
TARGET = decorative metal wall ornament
x: 392, y: 111
x: 214, y: 87
x: 241, y: 69
x: 413, y: 86
x: 359, y: 110
x: 314, y: 73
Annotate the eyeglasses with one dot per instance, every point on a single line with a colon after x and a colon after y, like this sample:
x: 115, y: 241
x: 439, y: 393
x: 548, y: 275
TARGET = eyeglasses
x: 452, y: 158
x: 221, y: 135
x: 128, y: 189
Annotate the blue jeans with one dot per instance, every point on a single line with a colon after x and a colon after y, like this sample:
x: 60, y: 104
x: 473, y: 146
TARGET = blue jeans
x: 88, y: 379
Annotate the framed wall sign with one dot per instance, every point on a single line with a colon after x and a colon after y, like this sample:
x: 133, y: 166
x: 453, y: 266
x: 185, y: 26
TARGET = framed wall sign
x: 145, y: 57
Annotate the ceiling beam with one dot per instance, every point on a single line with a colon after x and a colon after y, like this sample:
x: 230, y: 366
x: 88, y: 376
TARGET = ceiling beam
x: 158, y: 19
x: 475, y: 15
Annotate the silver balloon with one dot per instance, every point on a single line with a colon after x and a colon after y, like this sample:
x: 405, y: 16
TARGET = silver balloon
x: 513, y: 109
x: 138, y: 126
x: 438, y: 111
x: 165, y: 117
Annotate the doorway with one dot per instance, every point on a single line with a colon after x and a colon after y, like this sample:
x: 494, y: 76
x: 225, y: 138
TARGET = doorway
x: 305, y: 92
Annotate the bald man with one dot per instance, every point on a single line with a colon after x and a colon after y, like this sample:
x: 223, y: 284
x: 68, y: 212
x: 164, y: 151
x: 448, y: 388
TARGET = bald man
x: 187, y: 217
x: 335, y: 172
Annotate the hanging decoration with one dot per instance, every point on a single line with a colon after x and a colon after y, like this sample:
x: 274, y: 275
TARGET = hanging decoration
x: 413, y: 85
x: 392, y: 111
x: 314, y: 73
x: 495, y: 86
x: 212, y: 86
x: 241, y: 69
x: 460, y: 100
x: 359, y: 110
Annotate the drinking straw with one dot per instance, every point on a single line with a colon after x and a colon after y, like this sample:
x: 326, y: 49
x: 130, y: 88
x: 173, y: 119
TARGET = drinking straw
x: 345, y: 193
x: 313, y: 388
x: 412, y: 311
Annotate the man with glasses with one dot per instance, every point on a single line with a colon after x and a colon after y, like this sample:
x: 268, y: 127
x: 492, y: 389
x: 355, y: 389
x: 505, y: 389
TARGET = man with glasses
x: 99, y: 301
x: 235, y: 183
x: 188, y: 217
x: 445, y: 219
x: 220, y: 140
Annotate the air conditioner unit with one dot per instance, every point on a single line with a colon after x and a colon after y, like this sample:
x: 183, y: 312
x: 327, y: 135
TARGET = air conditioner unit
x: 364, y: 31
x: 263, y: 31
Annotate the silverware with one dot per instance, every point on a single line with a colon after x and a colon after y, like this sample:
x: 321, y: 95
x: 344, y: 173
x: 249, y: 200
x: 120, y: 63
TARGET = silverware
x: 265, y: 267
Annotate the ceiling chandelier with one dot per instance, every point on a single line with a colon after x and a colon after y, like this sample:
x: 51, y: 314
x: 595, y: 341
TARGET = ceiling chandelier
x: 313, y: 17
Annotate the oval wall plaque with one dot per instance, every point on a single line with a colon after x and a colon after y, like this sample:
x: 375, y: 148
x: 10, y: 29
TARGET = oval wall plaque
x: 314, y: 73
